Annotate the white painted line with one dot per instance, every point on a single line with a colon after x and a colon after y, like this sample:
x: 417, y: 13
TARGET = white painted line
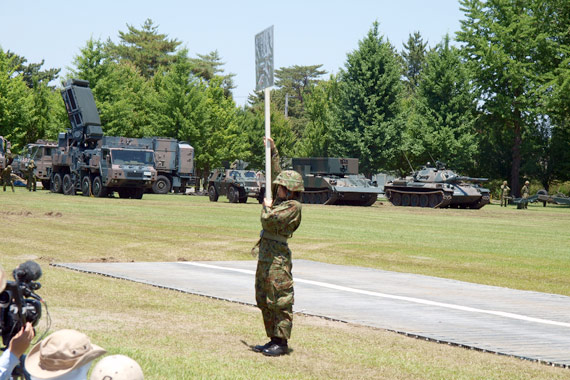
x: 400, y: 298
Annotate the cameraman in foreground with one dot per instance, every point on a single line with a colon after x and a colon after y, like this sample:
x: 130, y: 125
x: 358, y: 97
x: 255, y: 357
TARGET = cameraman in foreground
x: 18, y: 344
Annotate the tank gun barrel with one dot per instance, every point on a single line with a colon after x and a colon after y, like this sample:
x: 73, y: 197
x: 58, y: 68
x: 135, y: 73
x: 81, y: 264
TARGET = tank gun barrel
x: 459, y: 178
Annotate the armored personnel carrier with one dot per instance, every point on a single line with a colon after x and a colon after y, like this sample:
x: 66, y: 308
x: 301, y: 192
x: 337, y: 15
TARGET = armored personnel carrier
x: 237, y: 183
x: 437, y: 187
x: 335, y: 181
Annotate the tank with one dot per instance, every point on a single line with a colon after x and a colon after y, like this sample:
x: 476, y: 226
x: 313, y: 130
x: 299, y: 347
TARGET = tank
x: 335, y: 181
x: 437, y: 187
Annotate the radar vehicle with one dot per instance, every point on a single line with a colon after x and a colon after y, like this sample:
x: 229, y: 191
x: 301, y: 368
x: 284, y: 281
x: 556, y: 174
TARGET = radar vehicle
x: 335, y: 181
x: 437, y: 187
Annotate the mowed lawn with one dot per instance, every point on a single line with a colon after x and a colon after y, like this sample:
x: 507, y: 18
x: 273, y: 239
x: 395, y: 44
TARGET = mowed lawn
x: 181, y: 336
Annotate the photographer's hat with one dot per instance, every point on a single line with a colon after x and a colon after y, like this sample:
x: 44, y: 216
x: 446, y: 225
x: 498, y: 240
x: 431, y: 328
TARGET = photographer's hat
x: 61, y: 352
x: 2, y: 279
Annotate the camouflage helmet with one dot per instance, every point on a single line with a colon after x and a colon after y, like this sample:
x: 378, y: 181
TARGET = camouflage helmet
x: 290, y: 179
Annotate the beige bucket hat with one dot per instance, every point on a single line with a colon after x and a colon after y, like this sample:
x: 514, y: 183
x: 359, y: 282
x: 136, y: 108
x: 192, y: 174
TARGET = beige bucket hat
x: 60, y: 353
x: 2, y: 279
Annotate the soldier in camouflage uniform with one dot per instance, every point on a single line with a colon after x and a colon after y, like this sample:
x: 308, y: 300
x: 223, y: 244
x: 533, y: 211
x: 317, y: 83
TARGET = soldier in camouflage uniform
x: 273, y: 280
x: 30, y: 176
x: 505, y: 194
x: 525, y: 192
x: 7, y: 177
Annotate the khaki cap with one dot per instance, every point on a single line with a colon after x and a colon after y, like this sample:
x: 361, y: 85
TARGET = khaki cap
x: 60, y: 353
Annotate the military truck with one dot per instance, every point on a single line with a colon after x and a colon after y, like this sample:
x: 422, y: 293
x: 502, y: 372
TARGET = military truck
x: 41, y: 153
x: 237, y: 183
x: 173, y: 161
x: 84, y: 161
x: 335, y: 181
x: 5, y: 153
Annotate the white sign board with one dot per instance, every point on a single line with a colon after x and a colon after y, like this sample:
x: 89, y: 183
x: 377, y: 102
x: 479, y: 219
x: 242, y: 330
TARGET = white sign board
x: 264, y: 59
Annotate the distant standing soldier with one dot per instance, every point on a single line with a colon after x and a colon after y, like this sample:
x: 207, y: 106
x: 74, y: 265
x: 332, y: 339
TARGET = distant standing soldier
x: 7, y: 177
x: 30, y: 176
x: 525, y: 194
x: 505, y: 194
x: 273, y: 279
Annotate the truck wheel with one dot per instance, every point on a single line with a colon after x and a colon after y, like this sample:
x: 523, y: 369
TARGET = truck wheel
x: 162, y: 185
x: 233, y: 194
x: 68, y: 185
x: 137, y: 193
x: 213, y: 194
x: 98, y: 189
x: 86, y: 186
x: 243, y: 200
x: 56, y: 183
x: 46, y: 183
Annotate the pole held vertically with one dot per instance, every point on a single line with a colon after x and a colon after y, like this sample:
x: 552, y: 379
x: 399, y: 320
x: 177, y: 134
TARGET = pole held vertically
x: 268, y: 194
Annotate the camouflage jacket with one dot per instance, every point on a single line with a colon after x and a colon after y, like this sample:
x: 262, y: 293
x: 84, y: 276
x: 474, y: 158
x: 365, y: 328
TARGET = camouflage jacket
x: 282, y: 218
x: 525, y: 191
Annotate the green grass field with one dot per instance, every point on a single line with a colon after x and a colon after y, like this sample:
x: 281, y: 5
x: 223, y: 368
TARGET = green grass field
x: 181, y: 336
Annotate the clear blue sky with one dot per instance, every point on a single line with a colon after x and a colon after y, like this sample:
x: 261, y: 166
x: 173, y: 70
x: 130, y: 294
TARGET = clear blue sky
x: 306, y: 32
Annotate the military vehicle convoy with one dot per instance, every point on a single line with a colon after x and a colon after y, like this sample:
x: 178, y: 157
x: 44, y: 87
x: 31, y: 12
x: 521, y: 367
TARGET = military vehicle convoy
x: 84, y: 161
x: 173, y: 161
x: 237, y: 183
x: 335, y: 181
x: 437, y: 187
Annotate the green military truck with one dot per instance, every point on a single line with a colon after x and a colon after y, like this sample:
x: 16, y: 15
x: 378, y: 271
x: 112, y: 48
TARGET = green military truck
x: 85, y: 161
x: 41, y: 152
x: 173, y: 161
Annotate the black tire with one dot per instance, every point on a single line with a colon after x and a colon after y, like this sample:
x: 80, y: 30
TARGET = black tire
x: 405, y: 199
x: 97, y: 188
x: 424, y: 200
x: 243, y: 200
x: 233, y: 194
x: 213, y: 194
x: 68, y: 186
x: 137, y: 193
x: 46, y: 184
x: 162, y: 185
x: 56, y: 183
x: 86, y: 186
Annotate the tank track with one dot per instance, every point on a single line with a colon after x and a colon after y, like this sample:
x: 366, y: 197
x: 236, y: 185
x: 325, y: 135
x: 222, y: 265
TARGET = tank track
x: 432, y: 199
x: 327, y: 197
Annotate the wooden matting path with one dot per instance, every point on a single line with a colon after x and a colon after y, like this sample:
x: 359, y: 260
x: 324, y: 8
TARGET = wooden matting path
x: 528, y: 325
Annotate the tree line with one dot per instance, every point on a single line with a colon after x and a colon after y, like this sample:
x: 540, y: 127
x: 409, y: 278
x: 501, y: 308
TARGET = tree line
x: 496, y: 104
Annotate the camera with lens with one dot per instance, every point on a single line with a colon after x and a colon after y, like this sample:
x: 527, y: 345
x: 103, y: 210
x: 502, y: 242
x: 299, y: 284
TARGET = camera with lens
x: 19, y: 303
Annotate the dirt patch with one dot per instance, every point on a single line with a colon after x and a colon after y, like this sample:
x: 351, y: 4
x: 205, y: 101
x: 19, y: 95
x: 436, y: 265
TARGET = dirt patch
x: 54, y: 214
x: 110, y: 259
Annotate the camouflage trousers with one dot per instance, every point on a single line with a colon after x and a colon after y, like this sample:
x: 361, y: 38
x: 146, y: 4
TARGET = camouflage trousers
x: 275, y: 296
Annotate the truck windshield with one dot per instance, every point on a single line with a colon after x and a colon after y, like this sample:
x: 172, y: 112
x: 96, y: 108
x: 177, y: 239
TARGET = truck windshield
x: 132, y: 157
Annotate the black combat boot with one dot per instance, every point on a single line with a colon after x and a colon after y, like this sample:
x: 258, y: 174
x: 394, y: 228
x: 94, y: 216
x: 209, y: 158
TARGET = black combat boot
x: 260, y: 348
x: 277, y: 349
